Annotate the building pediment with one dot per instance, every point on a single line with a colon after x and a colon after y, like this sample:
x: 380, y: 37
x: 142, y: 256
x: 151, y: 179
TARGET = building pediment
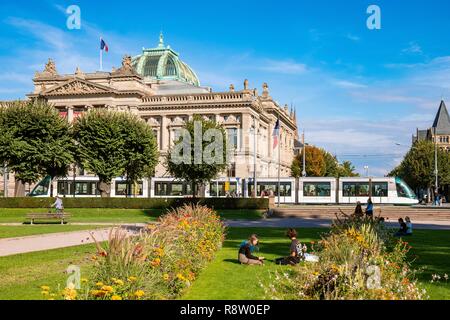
x: 77, y: 86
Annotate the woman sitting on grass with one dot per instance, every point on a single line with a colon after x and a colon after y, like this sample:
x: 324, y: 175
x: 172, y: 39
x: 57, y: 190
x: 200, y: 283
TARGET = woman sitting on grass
x: 409, y: 227
x: 246, y: 250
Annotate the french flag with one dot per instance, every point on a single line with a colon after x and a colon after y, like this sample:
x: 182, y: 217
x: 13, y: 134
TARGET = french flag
x: 276, y: 133
x: 103, y: 45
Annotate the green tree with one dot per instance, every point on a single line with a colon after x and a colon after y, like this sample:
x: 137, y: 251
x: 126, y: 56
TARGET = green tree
x: 347, y: 169
x: 417, y: 167
x: 331, y: 164
x: 36, y: 141
x: 112, y: 144
x: 199, y: 154
x: 140, y: 148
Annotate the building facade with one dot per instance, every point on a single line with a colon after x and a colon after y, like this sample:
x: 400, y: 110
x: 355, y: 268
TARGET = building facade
x: 439, y: 132
x: 165, y: 92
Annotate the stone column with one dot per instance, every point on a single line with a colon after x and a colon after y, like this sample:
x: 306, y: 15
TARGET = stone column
x: 164, y: 133
x: 70, y: 114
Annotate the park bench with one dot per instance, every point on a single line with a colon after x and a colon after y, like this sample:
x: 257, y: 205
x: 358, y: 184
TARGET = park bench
x: 48, y: 216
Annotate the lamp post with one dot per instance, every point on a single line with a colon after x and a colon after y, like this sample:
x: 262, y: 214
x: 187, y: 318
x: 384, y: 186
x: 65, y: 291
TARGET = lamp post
x: 5, y: 181
x: 304, y: 155
x: 367, y: 170
x: 254, y: 156
x: 436, y: 162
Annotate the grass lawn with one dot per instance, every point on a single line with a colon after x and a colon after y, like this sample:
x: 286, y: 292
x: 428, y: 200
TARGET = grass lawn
x: 93, y: 215
x: 23, y: 274
x: 224, y: 278
x: 30, y: 230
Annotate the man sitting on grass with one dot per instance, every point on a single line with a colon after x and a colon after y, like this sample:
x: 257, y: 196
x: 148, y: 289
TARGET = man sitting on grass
x: 297, y: 251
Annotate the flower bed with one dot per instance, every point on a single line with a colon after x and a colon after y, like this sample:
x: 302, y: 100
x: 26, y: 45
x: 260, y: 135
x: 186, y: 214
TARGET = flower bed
x: 159, y: 263
x: 359, y: 259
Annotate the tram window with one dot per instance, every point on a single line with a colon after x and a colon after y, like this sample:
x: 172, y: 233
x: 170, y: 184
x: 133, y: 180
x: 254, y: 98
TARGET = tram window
x: 161, y: 188
x: 176, y: 189
x: 123, y: 187
x: 355, y: 189
x: 380, y: 189
x: 285, y: 188
x: 82, y: 188
x: 41, y: 188
x: 317, y: 189
x: 221, y: 192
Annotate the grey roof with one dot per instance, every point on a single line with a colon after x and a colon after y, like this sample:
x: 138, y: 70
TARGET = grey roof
x: 298, y: 144
x: 422, y: 135
x: 177, y: 87
x: 442, y: 121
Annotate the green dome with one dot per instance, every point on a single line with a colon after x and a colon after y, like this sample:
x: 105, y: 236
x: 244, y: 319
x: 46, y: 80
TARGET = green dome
x: 162, y: 63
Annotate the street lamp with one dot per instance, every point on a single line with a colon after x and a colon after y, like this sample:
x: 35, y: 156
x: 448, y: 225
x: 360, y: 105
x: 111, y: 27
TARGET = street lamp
x: 367, y: 170
x: 5, y: 181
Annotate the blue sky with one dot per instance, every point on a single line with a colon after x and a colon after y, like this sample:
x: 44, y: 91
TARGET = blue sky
x: 357, y: 92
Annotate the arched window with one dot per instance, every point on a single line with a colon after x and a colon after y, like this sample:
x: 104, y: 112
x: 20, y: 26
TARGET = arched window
x: 170, y: 68
x: 151, y: 66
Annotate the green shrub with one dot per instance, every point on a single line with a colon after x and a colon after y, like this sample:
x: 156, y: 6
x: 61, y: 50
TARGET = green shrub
x: 158, y: 264
x: 358, y: 260
x: 138, y: 203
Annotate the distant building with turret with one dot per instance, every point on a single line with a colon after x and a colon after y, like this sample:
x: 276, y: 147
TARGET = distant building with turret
x: 440, y: 130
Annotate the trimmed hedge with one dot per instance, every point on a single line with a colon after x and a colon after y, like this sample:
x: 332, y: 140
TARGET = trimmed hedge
x: 137, y: 203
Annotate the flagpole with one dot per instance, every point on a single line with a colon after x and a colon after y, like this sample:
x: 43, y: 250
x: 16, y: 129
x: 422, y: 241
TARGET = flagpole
x: 279, y: 159
x: 101, y: 55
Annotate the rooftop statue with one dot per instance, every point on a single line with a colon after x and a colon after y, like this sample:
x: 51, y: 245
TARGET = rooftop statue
x: 50, y: 67
x: 245, y: 84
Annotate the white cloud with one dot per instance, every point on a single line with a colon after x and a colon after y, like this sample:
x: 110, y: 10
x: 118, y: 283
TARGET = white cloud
x: 284, y: 67
x: 413, y: 48
x: 353, y: 37
x: 348, y: 84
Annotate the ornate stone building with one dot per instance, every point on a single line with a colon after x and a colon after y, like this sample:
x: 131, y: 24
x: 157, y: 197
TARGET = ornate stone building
x: 166, y: 92
x: 439, y: 131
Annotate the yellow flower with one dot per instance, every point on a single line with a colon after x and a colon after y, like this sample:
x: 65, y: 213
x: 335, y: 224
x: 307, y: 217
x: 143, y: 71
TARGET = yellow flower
x: 119, y: 282
x: 98, y: 293
x: 159, y: 252
x: 99, y: 284
x: 132, y: 279
x: 44, y: 293
x: 156, y: 262
x: 166, y: 277
x: 116, y: 297
x: 45, y: 288
x: 69, y: 294
x: 139, y: 293
x: 181, y: 277
x: 107, y: 289
x: 84, y: 280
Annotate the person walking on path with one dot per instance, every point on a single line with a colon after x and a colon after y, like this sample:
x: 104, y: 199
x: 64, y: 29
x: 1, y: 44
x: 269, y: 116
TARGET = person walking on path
x: 58, y: 204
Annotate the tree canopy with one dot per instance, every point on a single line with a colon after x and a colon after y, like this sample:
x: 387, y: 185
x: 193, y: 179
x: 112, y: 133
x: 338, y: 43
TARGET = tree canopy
x: 200, y: 152
x: 417, y: 167
x: 112, y: 144
x: 35, y: 142
x: 321, y: 163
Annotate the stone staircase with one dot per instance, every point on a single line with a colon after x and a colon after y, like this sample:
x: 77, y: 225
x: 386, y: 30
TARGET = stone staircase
x: 391, y: 213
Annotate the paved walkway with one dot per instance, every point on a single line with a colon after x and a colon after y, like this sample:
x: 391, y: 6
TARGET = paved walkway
x: 323, y: 223
x: 11, y: 246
